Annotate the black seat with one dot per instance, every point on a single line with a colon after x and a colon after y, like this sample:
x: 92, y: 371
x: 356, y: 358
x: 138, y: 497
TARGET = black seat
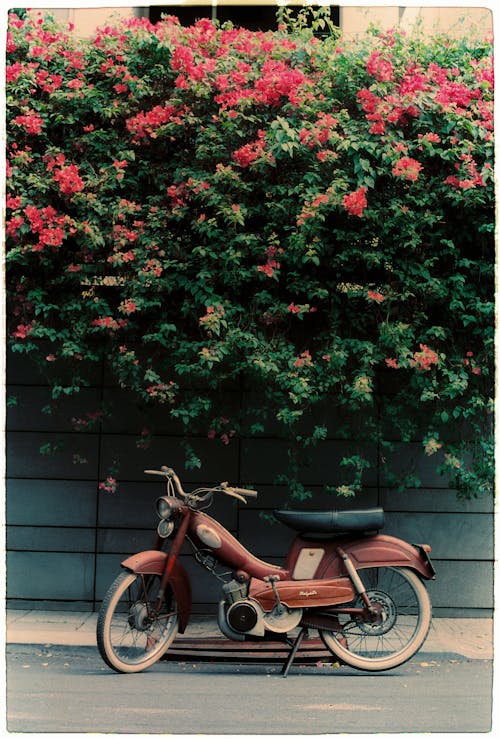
x: 332, y: 522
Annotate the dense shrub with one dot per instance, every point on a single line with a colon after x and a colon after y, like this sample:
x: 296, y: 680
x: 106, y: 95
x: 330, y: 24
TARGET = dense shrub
x: 314, y: 217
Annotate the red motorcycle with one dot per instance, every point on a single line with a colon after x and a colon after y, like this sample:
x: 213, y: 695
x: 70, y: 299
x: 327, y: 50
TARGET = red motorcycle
x: 363, y: 591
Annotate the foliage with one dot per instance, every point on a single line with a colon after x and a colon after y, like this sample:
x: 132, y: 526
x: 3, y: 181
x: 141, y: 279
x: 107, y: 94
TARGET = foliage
x: 312, y: 217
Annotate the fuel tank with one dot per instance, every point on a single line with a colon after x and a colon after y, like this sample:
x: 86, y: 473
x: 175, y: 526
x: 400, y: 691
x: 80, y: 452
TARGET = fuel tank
x: 206, y: 532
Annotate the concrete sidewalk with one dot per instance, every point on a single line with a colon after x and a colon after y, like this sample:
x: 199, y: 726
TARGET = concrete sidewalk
x: 470, y: 638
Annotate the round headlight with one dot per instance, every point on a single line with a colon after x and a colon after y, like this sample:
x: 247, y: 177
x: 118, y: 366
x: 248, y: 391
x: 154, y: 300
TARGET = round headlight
x: 163, y: 507
x: 165, y: 528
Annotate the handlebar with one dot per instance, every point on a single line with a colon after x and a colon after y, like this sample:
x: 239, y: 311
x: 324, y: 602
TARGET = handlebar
x: 241, y: 491
x: 236, y: 492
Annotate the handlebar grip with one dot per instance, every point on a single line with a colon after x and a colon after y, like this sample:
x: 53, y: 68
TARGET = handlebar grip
x: 224, y: 486
x: 245, y: 491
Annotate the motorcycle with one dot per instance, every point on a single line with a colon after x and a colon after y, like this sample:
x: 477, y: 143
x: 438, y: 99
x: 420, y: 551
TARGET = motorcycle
x: 361, y: 590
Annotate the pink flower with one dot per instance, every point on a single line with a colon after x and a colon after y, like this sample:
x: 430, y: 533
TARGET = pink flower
x: 424, y: 359
x: 23, y: 330
x: 30, y: 121
x: 377, y: 297
x: 75, y: 84
x: 109, y: 485
x: 129, y: 306
x: 305, y: 359
x: 393, y: 363
x: 319, y: 199
x: 434, y: 138
x: 407, y: 168
x: 380, y: 68
x: 109, y: 322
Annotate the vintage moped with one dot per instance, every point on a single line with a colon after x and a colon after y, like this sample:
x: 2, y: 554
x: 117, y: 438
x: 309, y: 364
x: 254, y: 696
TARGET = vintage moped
x: 361, y: 590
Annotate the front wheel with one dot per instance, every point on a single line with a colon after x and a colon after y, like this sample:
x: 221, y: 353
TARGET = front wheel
x: 398, y: 629
x: 131, y: 635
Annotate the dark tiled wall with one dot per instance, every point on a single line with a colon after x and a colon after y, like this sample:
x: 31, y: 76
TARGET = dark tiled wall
x: 66, y: 538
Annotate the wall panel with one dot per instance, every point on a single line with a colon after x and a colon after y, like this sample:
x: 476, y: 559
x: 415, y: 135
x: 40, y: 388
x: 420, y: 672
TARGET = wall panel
x: 66, y: 537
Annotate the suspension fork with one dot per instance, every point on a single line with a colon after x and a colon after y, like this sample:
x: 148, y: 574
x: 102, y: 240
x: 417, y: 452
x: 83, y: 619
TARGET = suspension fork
x: 172, y: 558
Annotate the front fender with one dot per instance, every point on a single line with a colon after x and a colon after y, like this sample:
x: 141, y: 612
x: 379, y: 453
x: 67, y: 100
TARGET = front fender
x: 381, y: 551
x: 152, y: 562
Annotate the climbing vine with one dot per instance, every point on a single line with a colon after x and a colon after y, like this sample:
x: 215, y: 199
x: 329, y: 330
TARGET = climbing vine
x: 309, y: 217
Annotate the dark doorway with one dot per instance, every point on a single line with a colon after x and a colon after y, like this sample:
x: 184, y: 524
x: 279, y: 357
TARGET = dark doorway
x: 253, y: 17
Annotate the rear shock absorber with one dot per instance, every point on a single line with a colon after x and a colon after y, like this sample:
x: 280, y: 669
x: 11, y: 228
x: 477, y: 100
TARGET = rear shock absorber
x: 355, y: 579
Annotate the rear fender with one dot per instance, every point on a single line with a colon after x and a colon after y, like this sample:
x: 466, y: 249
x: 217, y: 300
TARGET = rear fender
x: 378, y: 551
x: 152, y: 562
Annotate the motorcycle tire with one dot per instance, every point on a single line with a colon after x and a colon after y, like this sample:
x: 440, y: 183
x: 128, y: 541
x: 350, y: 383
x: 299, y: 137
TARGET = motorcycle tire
x: 404, y: 619
x: 130, y: 637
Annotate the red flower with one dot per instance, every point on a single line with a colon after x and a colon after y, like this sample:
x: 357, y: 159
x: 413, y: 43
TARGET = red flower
x: 13, y: 202
x: 268, y: 269
x: 146, y: 123
x: 12, y: 225
x: 377, y: 297
x: 69, y: 179
x: 247, y: 154
x: 355, y: 202
x: 392, y: 363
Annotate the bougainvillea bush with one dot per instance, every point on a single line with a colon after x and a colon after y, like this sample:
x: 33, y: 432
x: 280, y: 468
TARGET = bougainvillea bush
x: 309, y: 217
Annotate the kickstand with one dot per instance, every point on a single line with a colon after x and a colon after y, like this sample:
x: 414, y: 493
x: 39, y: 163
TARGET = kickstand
x: 293, y: 651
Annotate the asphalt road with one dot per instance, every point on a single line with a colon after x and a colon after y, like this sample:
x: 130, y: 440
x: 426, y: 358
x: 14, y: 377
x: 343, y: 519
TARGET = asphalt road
x: 68, y: 689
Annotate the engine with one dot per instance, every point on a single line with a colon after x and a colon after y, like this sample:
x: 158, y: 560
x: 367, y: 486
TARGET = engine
x: 240, y: 615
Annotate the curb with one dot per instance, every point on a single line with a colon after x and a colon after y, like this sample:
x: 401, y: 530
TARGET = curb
x: 467, y: 638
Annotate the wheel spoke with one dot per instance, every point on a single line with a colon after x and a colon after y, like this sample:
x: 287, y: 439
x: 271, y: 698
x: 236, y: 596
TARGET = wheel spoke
x: 131, y: 636
x: 392, y: 630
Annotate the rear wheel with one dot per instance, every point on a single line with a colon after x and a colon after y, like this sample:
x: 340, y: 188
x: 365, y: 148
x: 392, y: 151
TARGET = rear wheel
x: 130, y: 635
x: 394, y: 633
